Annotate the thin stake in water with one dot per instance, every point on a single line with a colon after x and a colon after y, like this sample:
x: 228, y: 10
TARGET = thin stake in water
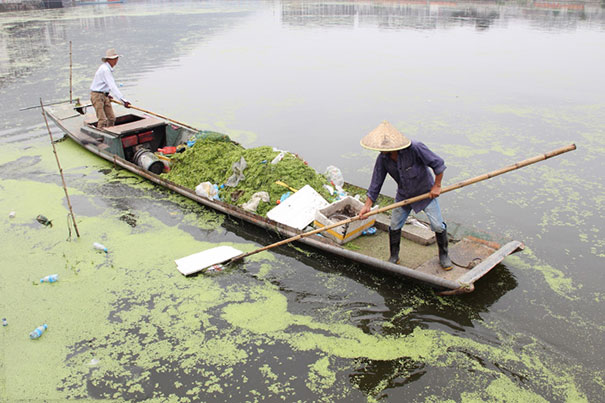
x: 71, y: 212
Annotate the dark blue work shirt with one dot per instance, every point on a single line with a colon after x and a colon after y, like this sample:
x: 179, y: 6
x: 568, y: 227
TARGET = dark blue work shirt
x: 410, y: 171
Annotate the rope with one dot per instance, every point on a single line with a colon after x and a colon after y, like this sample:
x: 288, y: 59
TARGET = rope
x: 471, y: 264
x: 463, y: 289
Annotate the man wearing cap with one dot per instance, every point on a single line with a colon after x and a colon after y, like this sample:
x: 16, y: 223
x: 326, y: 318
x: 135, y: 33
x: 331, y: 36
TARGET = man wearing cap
x: 408, y: 163
x: 102, y: 85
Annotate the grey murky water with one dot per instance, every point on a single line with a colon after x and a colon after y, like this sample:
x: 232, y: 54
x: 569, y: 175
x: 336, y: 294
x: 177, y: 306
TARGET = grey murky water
x: 483, y: 84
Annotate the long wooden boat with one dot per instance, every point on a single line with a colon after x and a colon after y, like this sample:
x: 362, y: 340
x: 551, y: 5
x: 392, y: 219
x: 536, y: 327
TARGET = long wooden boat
x: 473, y: 253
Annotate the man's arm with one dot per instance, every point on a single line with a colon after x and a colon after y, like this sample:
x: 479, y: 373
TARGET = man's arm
x: 378, y: 177
x: 436, y: 189
x: 366, y: 208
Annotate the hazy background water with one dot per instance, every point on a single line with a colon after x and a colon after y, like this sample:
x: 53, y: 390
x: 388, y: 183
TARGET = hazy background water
x: 482, y: 84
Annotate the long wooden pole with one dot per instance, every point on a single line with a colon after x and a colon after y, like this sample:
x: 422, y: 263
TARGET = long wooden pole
x: 156, y: 114
x: 446, y: 189
x: 48, y: 104
x: 71, y: 212
x: 70, y: 81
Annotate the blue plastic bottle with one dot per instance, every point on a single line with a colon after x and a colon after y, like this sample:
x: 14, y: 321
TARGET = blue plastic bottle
x: 369, y: 231
x: 38, y: 331
x: 4, y: 322
x: 285, y: 196
x: 50, y: 278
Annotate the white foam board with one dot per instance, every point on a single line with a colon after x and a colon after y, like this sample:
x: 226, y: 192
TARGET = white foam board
x: 298, y: 210
x: 199, y: 261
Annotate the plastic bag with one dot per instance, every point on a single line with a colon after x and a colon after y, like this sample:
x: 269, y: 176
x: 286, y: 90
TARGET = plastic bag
x: 238, y: 173
x: 278, y: 158
x: 252, y: 204
x: 208, y: 190
x: 335, y: 176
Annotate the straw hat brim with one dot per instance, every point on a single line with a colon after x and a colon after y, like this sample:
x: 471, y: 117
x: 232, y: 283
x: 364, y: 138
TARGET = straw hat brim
x: 385, y: 138
x: 385, y: 149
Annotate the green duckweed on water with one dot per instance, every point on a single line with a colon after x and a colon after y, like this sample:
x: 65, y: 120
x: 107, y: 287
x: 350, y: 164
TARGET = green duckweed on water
x: 128, y: 326
x: 211, y: 161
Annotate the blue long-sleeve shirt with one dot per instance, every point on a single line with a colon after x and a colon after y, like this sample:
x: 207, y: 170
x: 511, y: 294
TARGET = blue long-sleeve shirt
x: 410, y: 171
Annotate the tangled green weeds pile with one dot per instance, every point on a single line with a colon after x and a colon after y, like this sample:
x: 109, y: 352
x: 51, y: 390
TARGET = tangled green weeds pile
x: 211, y: 161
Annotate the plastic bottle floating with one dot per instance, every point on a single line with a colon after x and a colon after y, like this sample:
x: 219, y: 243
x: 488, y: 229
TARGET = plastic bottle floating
x: 38, y: 332
x: 50, y: 278
x: 99, y: 246
x: 4, y: 322
x: 44, y: 221
x: 12, y: 214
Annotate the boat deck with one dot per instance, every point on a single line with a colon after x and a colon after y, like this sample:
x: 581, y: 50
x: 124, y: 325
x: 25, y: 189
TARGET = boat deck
x: 465, y: 254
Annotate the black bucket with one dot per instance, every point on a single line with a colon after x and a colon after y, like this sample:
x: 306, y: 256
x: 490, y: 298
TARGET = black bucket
x: 149, y: 161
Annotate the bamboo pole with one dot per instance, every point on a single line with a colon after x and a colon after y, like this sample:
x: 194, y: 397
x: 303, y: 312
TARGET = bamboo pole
x: 157, y: 114
x: 70, y: 81
x: 37, y: 106
x: 446, y: 189
x: 52, y: 142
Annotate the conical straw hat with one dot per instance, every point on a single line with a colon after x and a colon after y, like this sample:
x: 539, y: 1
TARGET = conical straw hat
x: 385, y: 138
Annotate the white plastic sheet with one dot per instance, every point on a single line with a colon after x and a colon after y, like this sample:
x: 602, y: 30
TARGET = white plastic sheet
x: 199, y: 261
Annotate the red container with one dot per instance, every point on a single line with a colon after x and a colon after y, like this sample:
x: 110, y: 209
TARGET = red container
x: 129, y: 141
x: 145, y: 137
x: 167, y: 150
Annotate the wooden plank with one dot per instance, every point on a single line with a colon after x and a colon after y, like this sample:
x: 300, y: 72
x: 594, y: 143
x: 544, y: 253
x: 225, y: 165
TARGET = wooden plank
x: 147, y: 122
x: 486, y: 265
x: 420, y: 235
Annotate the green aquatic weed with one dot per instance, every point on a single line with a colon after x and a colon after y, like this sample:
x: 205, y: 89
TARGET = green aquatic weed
x: 212, y: 161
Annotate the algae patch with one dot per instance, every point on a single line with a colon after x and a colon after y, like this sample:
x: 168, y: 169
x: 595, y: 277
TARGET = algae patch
x: 556, y: 279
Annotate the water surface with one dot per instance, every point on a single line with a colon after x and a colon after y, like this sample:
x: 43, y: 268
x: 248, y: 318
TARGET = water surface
x: 483, y: 85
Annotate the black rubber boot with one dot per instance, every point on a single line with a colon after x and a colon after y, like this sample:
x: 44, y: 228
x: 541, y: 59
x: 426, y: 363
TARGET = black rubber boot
x: 394, y: 242
x: 444, y: 259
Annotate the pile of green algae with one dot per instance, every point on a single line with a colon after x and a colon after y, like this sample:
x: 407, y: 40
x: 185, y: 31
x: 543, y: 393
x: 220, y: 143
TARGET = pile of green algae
x: 212, y: 161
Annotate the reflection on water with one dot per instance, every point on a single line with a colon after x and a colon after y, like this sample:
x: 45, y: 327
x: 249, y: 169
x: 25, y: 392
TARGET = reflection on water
x: 440, y: 14
x: 27, y: 37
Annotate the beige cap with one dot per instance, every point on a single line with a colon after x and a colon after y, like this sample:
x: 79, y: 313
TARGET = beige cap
x: 385, y: 138
x: 110, y: 54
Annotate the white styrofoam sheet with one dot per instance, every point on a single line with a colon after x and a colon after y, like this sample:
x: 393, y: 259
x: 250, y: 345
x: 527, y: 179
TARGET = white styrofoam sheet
x: 298, y: 210
x: 199, y: 261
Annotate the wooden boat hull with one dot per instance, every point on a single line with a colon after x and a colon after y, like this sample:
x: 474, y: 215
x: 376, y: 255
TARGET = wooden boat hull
x: 460, y: 280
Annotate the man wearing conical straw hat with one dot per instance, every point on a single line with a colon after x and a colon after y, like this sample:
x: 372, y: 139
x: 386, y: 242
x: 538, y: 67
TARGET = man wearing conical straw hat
x: 408, y: 163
